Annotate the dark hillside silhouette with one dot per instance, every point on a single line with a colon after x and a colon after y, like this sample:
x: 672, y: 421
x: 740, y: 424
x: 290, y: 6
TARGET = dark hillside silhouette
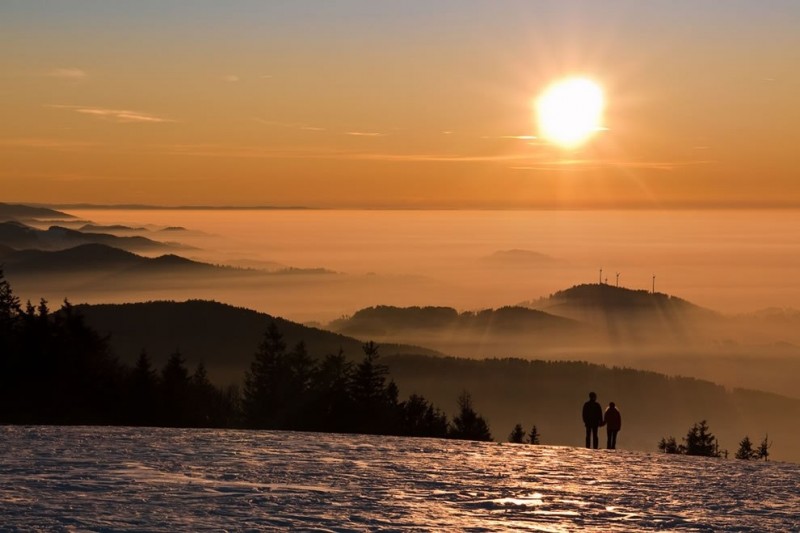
x: 86, y: 257
x: 627, y: 315
x: 222, y: 336
x: 54, y: 369
x: 615, y: 299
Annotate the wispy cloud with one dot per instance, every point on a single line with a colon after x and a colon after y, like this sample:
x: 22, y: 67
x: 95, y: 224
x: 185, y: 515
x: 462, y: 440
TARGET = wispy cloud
x: 71, y: 73
x: 230, y: 78
x: 365, y: 134
x: 115, y: 115
x: 595, y: 164
x: 261, y: 152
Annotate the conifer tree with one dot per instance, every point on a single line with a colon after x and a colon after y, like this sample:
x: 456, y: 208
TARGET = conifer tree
x: 763, y: 448
x: 206, y: 408
x: 422, y: 419
x: 469, y: 425
x: 142, y: 400
x: 330, y: 402
x: 745, y: 451
x: 700, y: 441
x: 264, y: 379
x: 534, y: 436
x: 175, y: 391
x: 9, y: 305
x: 670, y: 445
x: 369, y: 378
x: 9, y: 349
x: 372, y: 406
x: 517, y: 435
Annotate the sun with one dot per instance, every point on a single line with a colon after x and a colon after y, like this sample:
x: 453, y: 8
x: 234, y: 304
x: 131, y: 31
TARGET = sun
x: 570, y: 111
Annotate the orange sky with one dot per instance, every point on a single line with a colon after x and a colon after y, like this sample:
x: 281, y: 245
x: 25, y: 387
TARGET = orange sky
x: 396, y: 104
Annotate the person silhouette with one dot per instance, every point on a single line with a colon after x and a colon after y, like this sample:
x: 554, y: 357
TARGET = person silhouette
x: 592, y: 419
x: 613, y: 423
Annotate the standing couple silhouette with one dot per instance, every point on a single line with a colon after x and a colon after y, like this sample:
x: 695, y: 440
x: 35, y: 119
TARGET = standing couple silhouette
x: 593, y: 418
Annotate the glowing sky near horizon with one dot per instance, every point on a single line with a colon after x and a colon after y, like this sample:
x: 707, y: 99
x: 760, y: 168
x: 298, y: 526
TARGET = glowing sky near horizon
x: 396, y: 104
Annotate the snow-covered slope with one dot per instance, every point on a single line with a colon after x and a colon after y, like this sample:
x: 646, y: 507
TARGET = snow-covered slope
x: 90, y: 479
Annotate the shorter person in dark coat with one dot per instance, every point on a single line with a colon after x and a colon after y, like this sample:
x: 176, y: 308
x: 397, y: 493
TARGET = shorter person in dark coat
x: 592, y: 419
x: 613, y: 423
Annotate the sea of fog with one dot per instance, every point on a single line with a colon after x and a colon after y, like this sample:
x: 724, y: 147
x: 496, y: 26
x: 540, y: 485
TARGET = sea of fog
x: 147, y: 479
x: 731, y: 261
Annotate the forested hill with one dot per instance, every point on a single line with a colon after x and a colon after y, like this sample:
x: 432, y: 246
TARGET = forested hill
x: 610, y: 299
x: 221, y: 336
x: 385, y: 320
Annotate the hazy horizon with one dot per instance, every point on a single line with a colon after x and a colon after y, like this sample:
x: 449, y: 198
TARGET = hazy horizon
x: 485, y: 259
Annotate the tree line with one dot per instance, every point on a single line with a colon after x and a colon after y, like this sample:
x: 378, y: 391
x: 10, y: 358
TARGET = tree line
x: 55, y: 369
x: 701, y: 442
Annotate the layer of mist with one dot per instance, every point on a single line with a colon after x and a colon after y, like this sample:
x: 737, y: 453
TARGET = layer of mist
x: 490, y: 272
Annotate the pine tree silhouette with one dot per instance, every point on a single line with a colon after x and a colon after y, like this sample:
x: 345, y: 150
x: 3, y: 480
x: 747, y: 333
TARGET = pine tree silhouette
x: 763, y: 448
x: 469, y: 425
x: 745, y: 451
x: 517, y: 435
x: 534, y: 436
x: 264, y: 379
x: 700, y: 441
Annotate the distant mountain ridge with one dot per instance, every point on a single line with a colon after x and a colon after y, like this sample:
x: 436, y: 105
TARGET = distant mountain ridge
x: 26, y: 212
x: 98, y: 257
x: 21, y: 236
x: 383, y: 319
x: 110, y: 227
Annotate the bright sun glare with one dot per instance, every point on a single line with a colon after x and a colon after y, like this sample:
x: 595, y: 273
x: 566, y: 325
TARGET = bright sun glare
x: 570, y: 111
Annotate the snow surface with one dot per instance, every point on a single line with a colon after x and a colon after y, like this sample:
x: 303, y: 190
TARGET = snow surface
x: 102, y: 479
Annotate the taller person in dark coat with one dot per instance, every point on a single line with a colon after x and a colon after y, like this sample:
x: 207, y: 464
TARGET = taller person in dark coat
x: 592, y: 419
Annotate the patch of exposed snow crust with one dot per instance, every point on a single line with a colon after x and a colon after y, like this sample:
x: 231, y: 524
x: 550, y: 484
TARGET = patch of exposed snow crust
x: 98, y: 478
